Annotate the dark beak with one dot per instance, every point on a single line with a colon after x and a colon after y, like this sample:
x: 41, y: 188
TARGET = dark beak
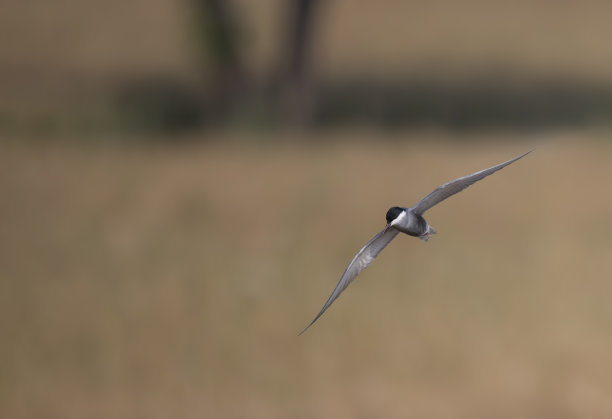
x: 387, y: 227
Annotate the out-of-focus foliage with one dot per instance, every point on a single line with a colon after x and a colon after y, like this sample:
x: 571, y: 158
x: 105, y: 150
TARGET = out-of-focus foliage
x: 167, y: 66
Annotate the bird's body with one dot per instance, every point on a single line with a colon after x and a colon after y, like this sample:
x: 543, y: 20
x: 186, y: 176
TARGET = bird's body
x: 405, y: 220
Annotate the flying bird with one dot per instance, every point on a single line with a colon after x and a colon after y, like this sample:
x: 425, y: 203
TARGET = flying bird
x: 405, y: 220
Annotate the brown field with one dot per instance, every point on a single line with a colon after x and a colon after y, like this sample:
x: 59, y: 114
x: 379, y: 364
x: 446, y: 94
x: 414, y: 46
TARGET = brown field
x: 159, y: 281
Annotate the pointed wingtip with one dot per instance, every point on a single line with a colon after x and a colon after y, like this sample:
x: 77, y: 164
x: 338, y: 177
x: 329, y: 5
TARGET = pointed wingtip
x: 533, y: 149
x: 310, y: 324
x: 524, y: 154
x: 325, y: 307
x: 304, y: 329
x: 517, y: 158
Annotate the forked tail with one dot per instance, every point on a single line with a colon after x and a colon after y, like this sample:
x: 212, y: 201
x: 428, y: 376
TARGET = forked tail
x: 428, y: 233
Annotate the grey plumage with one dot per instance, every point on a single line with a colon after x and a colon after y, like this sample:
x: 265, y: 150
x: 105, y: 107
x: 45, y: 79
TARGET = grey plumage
x: 405, y: 220
x: 362, y: 259
x: 455, y: 186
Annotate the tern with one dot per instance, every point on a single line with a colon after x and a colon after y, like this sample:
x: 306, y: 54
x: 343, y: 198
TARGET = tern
x: 405, y: 220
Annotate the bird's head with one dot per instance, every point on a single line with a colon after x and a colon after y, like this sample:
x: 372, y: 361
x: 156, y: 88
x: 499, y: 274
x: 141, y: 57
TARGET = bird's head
x: 393, y: 215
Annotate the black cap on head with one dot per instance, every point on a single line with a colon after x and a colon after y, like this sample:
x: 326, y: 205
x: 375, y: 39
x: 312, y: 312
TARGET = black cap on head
x: 393, y: 213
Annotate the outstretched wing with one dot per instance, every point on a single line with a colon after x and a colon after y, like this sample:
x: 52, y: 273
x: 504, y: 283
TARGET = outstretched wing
x: 457, y: 185
x: 361, y: 260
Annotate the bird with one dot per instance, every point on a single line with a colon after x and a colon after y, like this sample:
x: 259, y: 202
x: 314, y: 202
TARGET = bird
x: 405, y: 220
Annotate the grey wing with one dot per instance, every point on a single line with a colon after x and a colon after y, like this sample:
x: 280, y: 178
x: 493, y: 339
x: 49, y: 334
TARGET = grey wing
x: 361, y: 260
x: 457, y: 185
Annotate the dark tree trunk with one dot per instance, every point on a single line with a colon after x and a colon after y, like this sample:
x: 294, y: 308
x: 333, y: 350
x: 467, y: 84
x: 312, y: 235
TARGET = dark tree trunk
x: 218, y: 38
x: 297, y: 99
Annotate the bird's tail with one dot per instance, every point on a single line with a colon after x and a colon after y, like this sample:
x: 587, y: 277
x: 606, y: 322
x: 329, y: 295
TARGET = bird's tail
x: 430, y: 232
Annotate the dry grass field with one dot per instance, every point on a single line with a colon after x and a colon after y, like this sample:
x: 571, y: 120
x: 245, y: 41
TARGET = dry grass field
x: 160, y: 281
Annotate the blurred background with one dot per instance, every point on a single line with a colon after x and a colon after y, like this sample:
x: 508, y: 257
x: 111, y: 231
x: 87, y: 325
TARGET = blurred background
x: 183, y: 182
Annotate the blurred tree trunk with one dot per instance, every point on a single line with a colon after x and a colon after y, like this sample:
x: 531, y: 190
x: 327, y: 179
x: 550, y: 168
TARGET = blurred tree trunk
x: 296, y: 96
x: 218, y: 37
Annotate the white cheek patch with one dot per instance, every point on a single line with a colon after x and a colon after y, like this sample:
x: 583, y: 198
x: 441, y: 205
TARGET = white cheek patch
x: 399, y: 218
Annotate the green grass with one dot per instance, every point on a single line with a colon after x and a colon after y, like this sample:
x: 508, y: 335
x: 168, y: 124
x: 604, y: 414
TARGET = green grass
x: 172, y: 281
